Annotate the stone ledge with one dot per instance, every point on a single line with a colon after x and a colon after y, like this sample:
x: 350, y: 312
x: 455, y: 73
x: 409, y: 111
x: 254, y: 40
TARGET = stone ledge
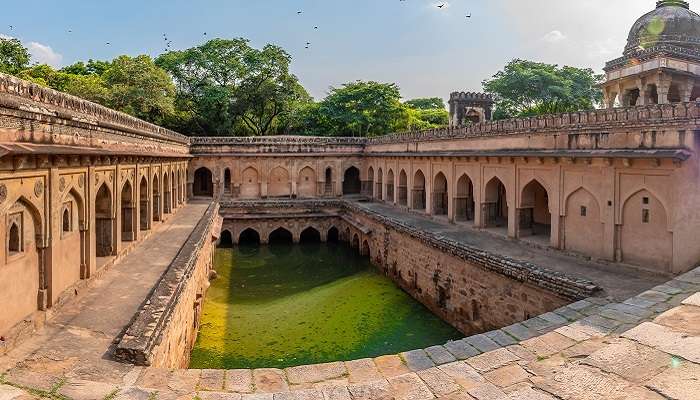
x: 146, y: 330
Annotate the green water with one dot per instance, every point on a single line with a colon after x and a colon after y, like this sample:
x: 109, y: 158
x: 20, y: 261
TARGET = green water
x: 284, y: 305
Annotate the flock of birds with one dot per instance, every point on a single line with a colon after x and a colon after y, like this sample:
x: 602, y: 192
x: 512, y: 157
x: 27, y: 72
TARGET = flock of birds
x: 168, y: 42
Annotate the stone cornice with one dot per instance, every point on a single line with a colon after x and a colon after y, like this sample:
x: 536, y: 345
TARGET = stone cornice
x: 26, y: 96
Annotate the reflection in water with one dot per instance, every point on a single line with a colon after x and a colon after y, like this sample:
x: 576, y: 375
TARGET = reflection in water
x: 285, y: 305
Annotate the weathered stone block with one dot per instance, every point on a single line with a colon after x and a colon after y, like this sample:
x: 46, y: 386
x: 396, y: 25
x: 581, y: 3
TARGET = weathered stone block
x: 507, y: 376
x: 440, y: 355
x: 417, y: 360
x: 461, y: 349
x: 269, y: 380
x: 363, y: 370
x: 681, y: 382
x: 501, y: 338
x: 439, y: 381
x: 463, y: 374
x: 390, y: 366
x: 239, y: 380
x: 482, y: 343
x: 315, y: 373
x: 492, y: 360
x: 630, y: 360
x: 409, y: 387
x: 377, y: 390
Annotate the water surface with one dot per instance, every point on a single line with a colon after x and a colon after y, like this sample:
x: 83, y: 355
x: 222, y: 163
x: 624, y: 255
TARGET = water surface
x: 286, y: 305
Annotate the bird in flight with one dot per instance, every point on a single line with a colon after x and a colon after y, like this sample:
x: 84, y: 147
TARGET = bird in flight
x: 441, y: 5
x: 12, y: 27
x: 108, y: 43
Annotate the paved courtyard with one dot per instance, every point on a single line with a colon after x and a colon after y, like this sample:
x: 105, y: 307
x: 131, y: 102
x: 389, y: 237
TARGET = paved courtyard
x: 618, y: 281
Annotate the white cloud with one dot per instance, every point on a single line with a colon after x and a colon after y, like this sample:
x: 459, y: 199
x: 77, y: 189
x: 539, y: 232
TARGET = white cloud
x: 554, y: 37
x: 44, y: 54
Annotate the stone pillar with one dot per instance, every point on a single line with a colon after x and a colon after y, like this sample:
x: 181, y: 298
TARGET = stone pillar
x: 662, y: 89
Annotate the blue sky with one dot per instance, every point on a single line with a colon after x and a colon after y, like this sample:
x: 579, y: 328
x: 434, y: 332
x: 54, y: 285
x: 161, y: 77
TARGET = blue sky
x: 426, y: 50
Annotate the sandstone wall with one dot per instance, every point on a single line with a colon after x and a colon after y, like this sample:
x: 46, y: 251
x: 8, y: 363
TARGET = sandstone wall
x: 165, y: 329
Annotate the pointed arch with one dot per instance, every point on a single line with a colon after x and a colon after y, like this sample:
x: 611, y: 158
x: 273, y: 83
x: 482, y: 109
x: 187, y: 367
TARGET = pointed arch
x: 249, y: 236
x: 535, y: 217
x: 250, y: 183
x: 155, y: 183
x: 379, y: 190
x: 582, y: 222
x: 144, y: 217
x: 225, y: 240
x: 306, y: 186
x: 403, y: 188
x: 128, y: 213
x: 328, y: 182
x: 390, y: 186
x: 281, y: 236
x: 310, y: 235
x: 418, y: 190
x: 440, y: 194
x: 369, y: 184
x: 333, y: 235
x: 351, y: 181
x: 495, y: 206
x: 104, y: 222
x: 203, y: 183
x: 464, y: 199
x: 645, y: 238
x: 278, y: 184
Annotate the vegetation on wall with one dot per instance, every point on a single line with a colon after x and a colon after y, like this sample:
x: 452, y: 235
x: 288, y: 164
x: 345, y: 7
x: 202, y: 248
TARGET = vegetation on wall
x: 526, y: 88
x: 225, y: 87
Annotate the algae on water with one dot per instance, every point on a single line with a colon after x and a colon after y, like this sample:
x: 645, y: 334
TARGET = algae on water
x: 286, y: 305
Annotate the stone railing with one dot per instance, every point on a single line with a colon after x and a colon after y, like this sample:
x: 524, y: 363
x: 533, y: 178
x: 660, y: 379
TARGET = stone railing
x: 575, y: 121
x: 277, y: 140
x: 153, y: 324
x: 28, y: 96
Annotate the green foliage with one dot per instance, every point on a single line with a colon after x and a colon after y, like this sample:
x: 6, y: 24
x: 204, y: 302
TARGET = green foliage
x: 231, y: 88
x: 14, y: 57
x: 431, y: 103
x: 140, y: 88
x: 88, y: 87
x: 526, y: 88
x: 92, y: 67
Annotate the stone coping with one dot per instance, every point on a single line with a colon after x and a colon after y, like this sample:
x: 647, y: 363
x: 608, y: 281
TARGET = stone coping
x: 645, y: 348
x: 22, y: 95
x: 568, y: 123
x: 526, y: 272
x: 146, y: 329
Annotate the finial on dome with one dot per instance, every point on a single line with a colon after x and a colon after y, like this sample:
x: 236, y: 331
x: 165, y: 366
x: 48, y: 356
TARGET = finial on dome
x: 676, y: 3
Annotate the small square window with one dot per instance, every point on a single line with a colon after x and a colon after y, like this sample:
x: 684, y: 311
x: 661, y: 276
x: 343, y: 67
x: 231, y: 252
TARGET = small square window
x: 645, y: 200
x: 584, y: 211
x: 645, y: 216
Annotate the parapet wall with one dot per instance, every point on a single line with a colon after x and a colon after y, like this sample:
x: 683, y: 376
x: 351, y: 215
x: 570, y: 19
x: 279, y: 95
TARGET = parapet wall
x: 47, y: 121
x: 165, y: 329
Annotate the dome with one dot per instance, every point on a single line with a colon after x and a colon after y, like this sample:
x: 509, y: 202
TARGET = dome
x: 671, y: 25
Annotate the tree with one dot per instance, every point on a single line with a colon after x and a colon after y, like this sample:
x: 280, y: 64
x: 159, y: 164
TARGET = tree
x: 526, y: 88
x: 92, y: 67
x: 140, y: 88
x: 431, y: 103
x: 14, y: 57
x: 232, y: 89
x: 363, y: 109
x: 431, y: 111
x: 88, y: 87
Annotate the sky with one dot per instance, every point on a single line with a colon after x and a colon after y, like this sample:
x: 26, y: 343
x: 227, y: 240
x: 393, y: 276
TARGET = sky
x: 428, y: 51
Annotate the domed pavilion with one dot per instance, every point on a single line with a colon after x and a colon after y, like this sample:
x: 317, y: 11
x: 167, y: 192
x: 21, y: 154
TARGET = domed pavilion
x: 661, y: 62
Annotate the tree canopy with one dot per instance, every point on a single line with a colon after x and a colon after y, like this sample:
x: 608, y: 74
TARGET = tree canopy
x: 526, y: 88
x: 14, y: 57
x: 231, y: 88
x: 430, y: 103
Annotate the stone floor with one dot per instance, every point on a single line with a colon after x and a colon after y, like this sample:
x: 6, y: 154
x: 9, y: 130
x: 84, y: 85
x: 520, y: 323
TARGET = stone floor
x: 77, y: 341
x: 618, y: 281
x: 647, y: 348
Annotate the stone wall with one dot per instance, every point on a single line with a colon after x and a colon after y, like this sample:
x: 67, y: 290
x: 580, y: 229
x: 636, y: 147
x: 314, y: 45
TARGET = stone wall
x: 164, y: 331
x: 473, y: 290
